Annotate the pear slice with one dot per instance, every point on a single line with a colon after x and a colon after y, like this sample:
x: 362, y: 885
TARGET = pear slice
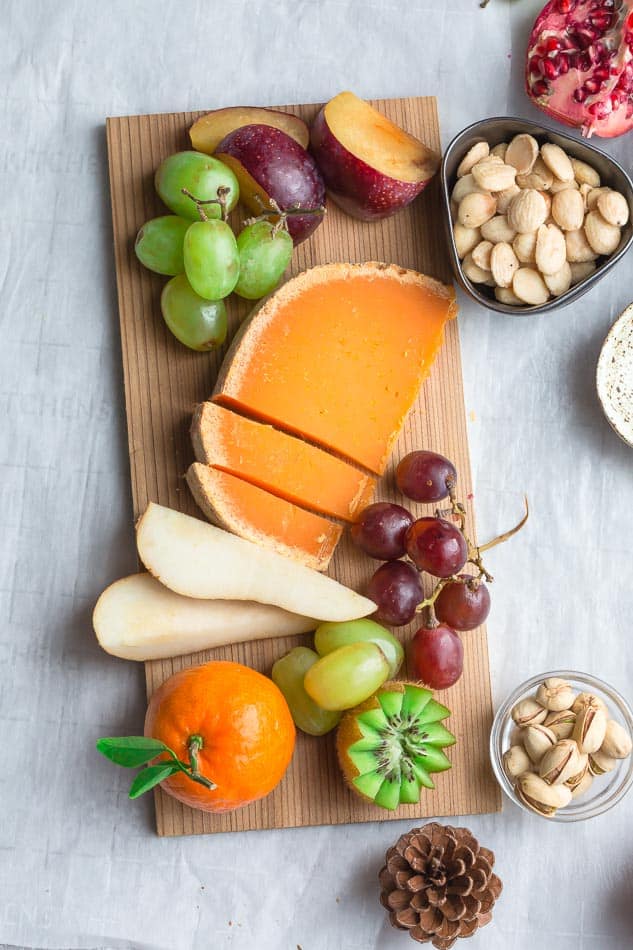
x: 137, y: 618
x: 197, y: 559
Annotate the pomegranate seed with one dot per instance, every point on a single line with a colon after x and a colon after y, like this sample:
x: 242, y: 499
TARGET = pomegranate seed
x: 534, y: 65
x: 601, y: 73
x: 540, y: 88
x: 548, y: 68
x: 566, y: 6
x: 552, y: 43
x: 602, y: 21
x: 580, y: 95
x: 591, y: 87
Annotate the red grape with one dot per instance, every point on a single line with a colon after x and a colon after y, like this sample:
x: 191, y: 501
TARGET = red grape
x: 381, y: 530
x: 463, y: 604
x: 436, y: 546
x: 396, y: 589
x: 425, y: 476
x: 437, y: 655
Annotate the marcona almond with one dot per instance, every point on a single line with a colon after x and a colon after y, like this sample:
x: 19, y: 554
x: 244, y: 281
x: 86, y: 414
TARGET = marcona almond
x: 568, y: 209
x: 522, y: 152
x: 578, y: 248
x: 498, y: 229
x: 547, y: 198
x: 503, y: 264
x: 527, y: 211
x: 551, y: 251
x: 472, y: 156
x: 594, y: 194
x: 584, y: 191
x: 563, y: 186
x: 466, y: 186
x: 614, y: 208
x: 505, y: 295
x: 465, y: 238
x: 539, y: 178
x: 580, y: 270
x: 473, y: 272
x: 505, y: 197
x: 557, y: 161
x: 559, y: 283
x: 500, y: 150
x: 602, y: 236
x: 476, y: 209
x: 529, y: 286
x: 524, y: 246
x: 585, y: 174
x: 481, y: 254
x: 494, y: 176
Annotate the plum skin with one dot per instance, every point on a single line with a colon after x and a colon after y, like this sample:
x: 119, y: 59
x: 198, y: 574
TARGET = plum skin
x: 356, y: 187
x: 281, y: 168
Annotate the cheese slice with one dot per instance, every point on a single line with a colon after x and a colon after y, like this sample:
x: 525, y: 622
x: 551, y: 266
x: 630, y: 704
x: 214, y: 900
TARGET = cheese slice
x: 258, y: 516
x: 337, y: 356
x: 282, y: 464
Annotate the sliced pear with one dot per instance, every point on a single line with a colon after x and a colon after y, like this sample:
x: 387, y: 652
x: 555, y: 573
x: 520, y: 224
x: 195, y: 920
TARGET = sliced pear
x: 137, y: 618
x: 197, y: 559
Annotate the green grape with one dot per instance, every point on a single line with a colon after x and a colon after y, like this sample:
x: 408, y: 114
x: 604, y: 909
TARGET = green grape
x: 264, y: 256
x: 288, y: 674
x: 347, y: 676
x: 212, y: 261
x: 330, y: 636
x: 198, y: 323
x: 159, y: 243
x: 200, y: 174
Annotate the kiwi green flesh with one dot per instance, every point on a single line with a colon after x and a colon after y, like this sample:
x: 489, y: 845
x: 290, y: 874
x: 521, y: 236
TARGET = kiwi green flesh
x: 434, y: 711
x: 398, y: 747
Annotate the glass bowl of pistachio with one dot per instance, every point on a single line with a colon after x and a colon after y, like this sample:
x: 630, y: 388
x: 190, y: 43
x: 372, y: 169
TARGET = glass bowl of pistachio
x: 560, y: 746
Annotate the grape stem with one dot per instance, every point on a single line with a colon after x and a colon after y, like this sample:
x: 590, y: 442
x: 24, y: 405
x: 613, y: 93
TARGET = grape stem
x: 223, y: 192
x: 475, y: 552
x: 274, y: 211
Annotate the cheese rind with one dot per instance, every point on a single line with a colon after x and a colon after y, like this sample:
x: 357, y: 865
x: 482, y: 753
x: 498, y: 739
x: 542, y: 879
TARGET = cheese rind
x: 262, y: 518
x: 337, y: 356
x: 279, y: 463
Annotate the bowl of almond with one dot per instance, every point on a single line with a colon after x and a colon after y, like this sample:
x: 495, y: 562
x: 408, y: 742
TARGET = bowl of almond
x: 534, y: 218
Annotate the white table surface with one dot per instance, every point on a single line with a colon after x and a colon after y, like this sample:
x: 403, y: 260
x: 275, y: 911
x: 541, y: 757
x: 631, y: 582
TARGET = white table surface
x: 80, y: 866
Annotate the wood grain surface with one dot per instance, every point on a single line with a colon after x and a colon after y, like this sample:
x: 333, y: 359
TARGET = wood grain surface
x: 163, y: 383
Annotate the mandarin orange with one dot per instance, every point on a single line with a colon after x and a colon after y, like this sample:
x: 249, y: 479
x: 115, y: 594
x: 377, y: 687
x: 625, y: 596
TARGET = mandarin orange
x: 242, y: 731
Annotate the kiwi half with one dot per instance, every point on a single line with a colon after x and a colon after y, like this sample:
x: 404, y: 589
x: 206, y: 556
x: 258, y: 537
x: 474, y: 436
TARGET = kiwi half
x: 389, y: 745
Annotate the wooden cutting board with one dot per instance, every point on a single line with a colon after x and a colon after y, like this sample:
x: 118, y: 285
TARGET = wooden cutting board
x: 163, y: 383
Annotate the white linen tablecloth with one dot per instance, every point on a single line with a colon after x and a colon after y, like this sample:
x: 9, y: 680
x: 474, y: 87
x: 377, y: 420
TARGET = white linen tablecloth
x: 80, y: 866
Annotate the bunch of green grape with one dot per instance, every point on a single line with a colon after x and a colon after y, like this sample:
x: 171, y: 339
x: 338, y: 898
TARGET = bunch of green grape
x: 197, y: 248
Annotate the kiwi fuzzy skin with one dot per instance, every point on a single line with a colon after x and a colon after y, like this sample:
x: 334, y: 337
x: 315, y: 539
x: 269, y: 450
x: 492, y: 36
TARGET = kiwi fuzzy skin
x: 348, y: 733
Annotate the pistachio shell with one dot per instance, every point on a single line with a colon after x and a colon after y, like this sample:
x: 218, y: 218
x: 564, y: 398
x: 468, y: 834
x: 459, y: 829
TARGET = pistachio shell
x: 561, y: 723
x: 583, y: 786
x: 537, y: 740
x: 557, y: 161
x: 588, y: 699
x: 600, y: 762
x: 516, y: 761
x: 555, y: 694
x: 528, y: 712
x: 617, y: 741
x: 583, y: 765
x: 560, y: 762
x: 472, y: 156
x: 541, y: 797
x: 590, y: 729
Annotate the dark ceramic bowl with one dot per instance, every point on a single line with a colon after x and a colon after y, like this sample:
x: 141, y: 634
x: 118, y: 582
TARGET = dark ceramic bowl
x: 502, y: 129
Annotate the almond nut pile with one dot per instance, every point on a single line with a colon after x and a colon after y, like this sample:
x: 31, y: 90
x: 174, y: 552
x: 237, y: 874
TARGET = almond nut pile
x: 532, y: 222
x: 561, y: 741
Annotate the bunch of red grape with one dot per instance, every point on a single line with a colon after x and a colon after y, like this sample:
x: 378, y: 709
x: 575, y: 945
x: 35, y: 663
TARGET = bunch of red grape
x: 433, y: 544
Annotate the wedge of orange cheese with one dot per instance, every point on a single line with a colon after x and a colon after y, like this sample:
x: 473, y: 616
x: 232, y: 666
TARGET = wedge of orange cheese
x: 258, y: 516
x: 337, y: 356
x: 311, y: 398
x: 282, y: 464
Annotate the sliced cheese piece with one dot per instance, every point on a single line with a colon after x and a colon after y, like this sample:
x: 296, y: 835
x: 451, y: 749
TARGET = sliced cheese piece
x: 137, y: 618
x: 282, y: 464
x: 263, y: 518
x: 197, y: 559
x: 338, y: 354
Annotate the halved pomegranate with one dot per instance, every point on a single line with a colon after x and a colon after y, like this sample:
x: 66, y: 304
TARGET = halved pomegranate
x: 580, y: 64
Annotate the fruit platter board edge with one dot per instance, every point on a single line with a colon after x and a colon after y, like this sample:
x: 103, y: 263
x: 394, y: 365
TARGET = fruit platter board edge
x: 165, y: 381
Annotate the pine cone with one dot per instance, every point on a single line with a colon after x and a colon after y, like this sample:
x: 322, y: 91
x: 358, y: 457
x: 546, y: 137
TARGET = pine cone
x: 438, y: 884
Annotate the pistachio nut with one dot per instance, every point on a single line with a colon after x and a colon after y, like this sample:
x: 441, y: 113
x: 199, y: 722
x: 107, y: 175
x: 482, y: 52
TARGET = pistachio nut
x: 561, y: 723
x: 583, y: 786
x: 516, y: 761
x: 560, y: 762
x: 541, y: 797
x: 528, y: 712
x: 617, y: 741
x: 555, y: 694
x: 590, y: 728
x: 600, y: 762
x: 587, y: 699
x: 538, y: 740
x: 583, y: 765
